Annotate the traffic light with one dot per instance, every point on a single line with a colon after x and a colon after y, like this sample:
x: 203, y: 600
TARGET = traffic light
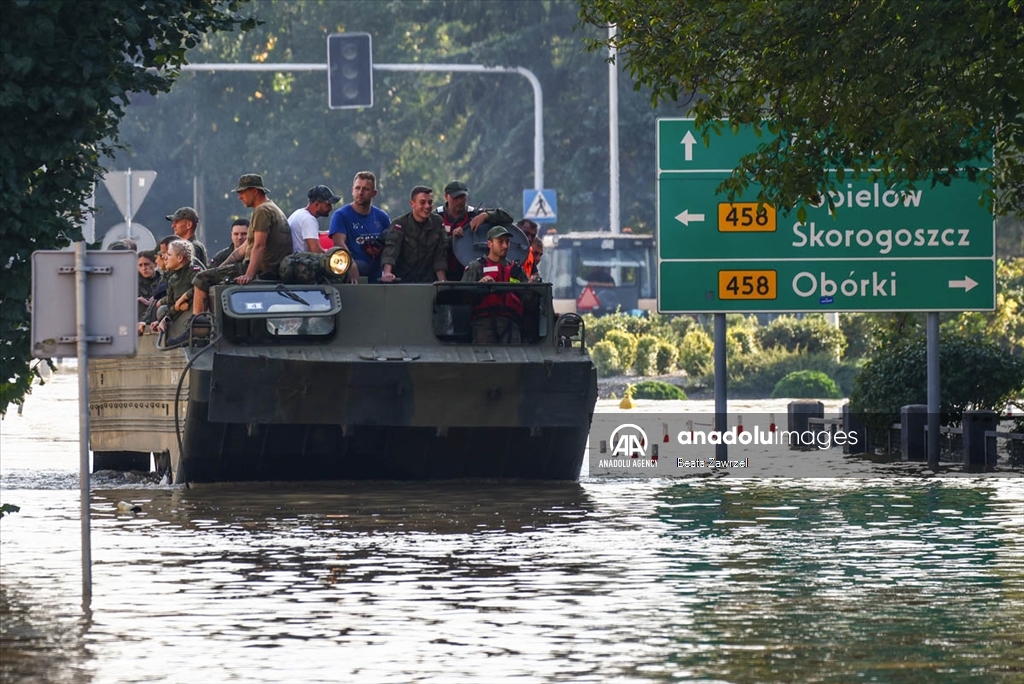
x: 349, y: 71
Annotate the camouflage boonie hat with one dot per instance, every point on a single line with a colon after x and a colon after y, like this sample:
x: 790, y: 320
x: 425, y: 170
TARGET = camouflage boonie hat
x: 304, y: 268
x: 184, y: 213
x: 251, y: 180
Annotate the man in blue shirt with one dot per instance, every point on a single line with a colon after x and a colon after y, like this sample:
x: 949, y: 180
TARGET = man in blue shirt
x: 359, y: 227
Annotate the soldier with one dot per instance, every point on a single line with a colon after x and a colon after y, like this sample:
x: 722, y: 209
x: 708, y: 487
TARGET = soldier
x: 415, y: 246
x: 268, y: 241
x: 456, y: 214
x: 184, y: 223
x: 149, y: 278
x: 239, y: 231
x: 180, y: 272
x: 498, y: 316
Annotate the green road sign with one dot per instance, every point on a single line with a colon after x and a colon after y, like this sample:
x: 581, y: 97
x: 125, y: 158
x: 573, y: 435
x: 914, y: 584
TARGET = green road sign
x: 870, y: 221
x: 681, y: 146
x: 820, y: 285
x: 882, y: 249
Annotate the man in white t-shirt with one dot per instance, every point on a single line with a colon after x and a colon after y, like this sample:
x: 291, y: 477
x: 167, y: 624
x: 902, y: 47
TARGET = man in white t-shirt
x: 303, y: 222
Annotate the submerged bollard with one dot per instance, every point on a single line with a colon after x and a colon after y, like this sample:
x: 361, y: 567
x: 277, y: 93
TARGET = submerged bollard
x: 797, y: 414
x: 913, y: 421
x: 975, y: 425
x: 853, y: 424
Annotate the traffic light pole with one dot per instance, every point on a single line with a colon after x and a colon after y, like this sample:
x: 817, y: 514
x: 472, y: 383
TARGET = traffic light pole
x: 538, y: 95
x: 538, y: 102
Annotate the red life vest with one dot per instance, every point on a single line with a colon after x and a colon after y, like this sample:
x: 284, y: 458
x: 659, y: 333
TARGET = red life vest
x: 505, y: 304
x: 450, y: 224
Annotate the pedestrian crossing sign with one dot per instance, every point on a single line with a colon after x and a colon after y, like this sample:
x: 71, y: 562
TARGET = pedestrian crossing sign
x: 540, y: 205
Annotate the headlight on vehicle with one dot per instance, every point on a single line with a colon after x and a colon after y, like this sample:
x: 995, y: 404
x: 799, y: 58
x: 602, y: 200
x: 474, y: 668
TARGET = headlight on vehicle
x: 309, y: 267
x: 338, y: 261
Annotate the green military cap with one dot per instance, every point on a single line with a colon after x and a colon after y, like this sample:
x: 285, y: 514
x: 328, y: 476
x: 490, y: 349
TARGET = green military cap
x: 456, y: 189
x: 497, y: 232
x: 184, y: 213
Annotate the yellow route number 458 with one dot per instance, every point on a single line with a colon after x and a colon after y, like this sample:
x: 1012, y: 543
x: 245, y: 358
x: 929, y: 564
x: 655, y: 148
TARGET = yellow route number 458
x: 747, y: 284
x: 746, y: 217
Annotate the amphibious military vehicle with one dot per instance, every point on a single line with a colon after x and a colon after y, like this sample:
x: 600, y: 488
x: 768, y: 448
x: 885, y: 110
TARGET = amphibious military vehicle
x: 329, y: 380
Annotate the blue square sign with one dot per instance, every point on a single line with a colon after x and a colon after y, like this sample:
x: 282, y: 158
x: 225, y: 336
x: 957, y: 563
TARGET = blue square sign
x: 540, y: 205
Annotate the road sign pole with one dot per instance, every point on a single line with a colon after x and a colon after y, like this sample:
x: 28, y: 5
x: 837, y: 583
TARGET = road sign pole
x: 721, y: 403
x: 932, y: 365
x: 613, y: 134
x: 128, y: 201
x: 106, y: 306
x: 83, y: 420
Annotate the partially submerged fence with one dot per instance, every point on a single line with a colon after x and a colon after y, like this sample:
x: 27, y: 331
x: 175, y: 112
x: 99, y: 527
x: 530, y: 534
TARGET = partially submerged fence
x: 977, y: 445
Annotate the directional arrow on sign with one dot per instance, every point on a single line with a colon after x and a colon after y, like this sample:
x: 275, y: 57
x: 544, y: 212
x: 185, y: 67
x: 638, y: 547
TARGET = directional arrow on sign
x: 967, y: 283
x: 698, y: 286
x: 685, y: 217
x: 682, y: 147
x: 688, y: 141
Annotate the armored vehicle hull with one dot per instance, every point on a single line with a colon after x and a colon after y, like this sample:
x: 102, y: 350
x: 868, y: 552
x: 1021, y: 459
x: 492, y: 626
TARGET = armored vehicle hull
x: 132, y: 414
x: 384, y: 381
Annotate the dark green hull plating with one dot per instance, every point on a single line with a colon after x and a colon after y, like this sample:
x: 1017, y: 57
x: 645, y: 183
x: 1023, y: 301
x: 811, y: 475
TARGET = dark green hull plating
x: 400, y: 396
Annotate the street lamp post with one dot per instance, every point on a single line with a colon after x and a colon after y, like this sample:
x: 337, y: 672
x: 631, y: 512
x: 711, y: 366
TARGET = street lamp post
x: 538, y: 95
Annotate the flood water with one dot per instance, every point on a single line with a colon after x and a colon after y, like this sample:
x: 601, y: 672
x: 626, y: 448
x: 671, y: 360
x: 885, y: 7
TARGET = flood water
x: 606, y: 580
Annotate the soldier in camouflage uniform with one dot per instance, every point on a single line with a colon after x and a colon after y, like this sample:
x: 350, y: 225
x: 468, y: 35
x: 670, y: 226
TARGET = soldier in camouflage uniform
x: 148, y: 281
x: 185, y: 223
x: 178, y: 276
x: 497, y: 317
x: 456, y: 215
x: 269, y: 240
x: 415, y: 246
x: 239, y: 233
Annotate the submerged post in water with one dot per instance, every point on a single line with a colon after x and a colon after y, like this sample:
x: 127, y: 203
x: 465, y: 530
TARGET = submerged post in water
x: 721, y: 402
x: 934, y: 400
x: 83, y: 420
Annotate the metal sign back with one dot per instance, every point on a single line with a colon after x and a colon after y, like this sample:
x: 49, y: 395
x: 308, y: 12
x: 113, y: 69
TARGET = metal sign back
x: 111, y: 304
x: 128, y: 189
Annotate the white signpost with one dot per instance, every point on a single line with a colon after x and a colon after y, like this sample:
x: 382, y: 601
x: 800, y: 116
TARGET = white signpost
x: 67, y: 315
x: 128, y: 189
